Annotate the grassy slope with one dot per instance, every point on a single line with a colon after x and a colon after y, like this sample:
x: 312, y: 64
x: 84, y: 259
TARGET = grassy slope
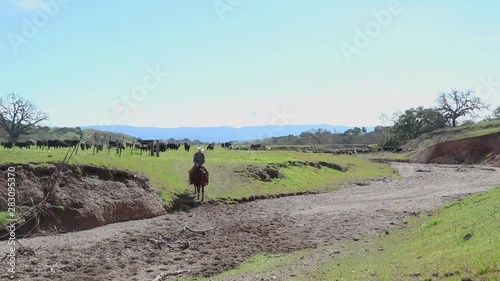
x: 169, y: 172
x: 455, y: 133
x: 438, y: 136
x: 432, y: 247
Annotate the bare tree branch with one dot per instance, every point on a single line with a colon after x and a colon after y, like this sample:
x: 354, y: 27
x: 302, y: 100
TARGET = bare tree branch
x: 456, y: 104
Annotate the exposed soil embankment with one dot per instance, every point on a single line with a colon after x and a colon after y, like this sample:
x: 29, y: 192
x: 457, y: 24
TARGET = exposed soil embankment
x: 483, y: 149
x: 84, y: 196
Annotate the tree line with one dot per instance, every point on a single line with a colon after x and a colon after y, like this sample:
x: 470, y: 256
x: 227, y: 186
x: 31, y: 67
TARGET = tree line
x: 450, y: 109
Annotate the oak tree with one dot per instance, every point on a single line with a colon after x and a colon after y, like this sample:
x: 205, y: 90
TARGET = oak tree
x: 19, y: 116
x: 455, y: 104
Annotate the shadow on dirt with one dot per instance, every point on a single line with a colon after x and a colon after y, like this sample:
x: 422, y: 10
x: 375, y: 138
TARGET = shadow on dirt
x: 184, y: 202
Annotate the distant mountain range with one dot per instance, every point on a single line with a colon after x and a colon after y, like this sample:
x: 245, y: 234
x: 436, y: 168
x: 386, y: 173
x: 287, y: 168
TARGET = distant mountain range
x: 217, y: 134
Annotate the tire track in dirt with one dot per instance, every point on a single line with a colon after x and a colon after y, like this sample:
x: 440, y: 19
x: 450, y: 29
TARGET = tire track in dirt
x: 141, y: 250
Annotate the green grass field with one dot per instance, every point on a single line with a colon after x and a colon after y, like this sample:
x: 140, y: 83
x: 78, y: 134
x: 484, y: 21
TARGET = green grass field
x: 460, y: 241
x: 169, y: 171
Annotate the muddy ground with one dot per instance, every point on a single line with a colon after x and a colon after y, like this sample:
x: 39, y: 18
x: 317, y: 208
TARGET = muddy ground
x: 142, y: 249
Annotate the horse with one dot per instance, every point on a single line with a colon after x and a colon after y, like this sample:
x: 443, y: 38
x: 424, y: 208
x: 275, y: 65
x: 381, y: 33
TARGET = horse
x: 199, y: 180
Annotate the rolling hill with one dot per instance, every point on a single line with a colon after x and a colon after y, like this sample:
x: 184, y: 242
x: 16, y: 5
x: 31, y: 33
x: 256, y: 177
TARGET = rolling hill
x: 217, y: 134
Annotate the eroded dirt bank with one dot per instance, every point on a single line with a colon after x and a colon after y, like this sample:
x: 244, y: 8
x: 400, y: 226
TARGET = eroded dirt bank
x: 142, y: 249
x: 482, y: 149
x: 81, y: 196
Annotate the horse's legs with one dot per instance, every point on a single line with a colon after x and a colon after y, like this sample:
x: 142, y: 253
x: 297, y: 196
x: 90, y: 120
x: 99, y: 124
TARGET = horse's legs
x: 202, y: 192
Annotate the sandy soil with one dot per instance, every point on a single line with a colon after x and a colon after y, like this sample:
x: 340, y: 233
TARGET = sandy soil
x: 141, y: 250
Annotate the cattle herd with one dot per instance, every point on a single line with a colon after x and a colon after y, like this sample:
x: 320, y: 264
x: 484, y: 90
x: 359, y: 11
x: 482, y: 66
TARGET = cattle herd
x: 99, y: 146
x: 161, y: 146
x: 41, y: 144
x: 141, y: 145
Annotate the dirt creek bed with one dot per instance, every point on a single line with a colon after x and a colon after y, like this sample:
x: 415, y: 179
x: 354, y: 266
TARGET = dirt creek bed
x: 142, y: 249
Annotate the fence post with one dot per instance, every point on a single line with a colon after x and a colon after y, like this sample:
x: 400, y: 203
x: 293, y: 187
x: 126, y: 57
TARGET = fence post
x: 94, y: 143
x: 109, y: 147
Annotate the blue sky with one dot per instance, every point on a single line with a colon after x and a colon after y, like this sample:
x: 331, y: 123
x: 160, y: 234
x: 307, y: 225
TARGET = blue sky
x: 240, y: 62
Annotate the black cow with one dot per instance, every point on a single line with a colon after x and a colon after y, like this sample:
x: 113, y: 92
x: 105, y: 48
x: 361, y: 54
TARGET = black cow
x: 85, y: 145
x: 187, y: 146
x: 163, y: 147
x: 7, y: 144
x: 211, y: 146
x: 71, y: 143
x: 115, y: 144
x: 53, y: 143
x: 226, y: 144
x: 255, y: 146
x: 41, y: 143
x: 173, y: 146
x: 146, y: 144
x: 22, y: 144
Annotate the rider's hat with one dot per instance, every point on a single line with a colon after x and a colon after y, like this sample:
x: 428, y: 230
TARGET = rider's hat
x: 200, y: 149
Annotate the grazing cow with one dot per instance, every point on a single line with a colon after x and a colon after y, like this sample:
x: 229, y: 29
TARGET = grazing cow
x: 173, y: 146
x: 7, y: 144
x: 71, y: 143
x: 187, y: 146
x: 23, y: 144
x: 115, y: 144
x: 226, y: 144
x: 129, y: 144
x: 255, y: 146
x: 53, y: 143
x: 146, y: 144
x: 41, y: 143
x: 211, y: 146
x: 163, y: 146
x: 398, y: 150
